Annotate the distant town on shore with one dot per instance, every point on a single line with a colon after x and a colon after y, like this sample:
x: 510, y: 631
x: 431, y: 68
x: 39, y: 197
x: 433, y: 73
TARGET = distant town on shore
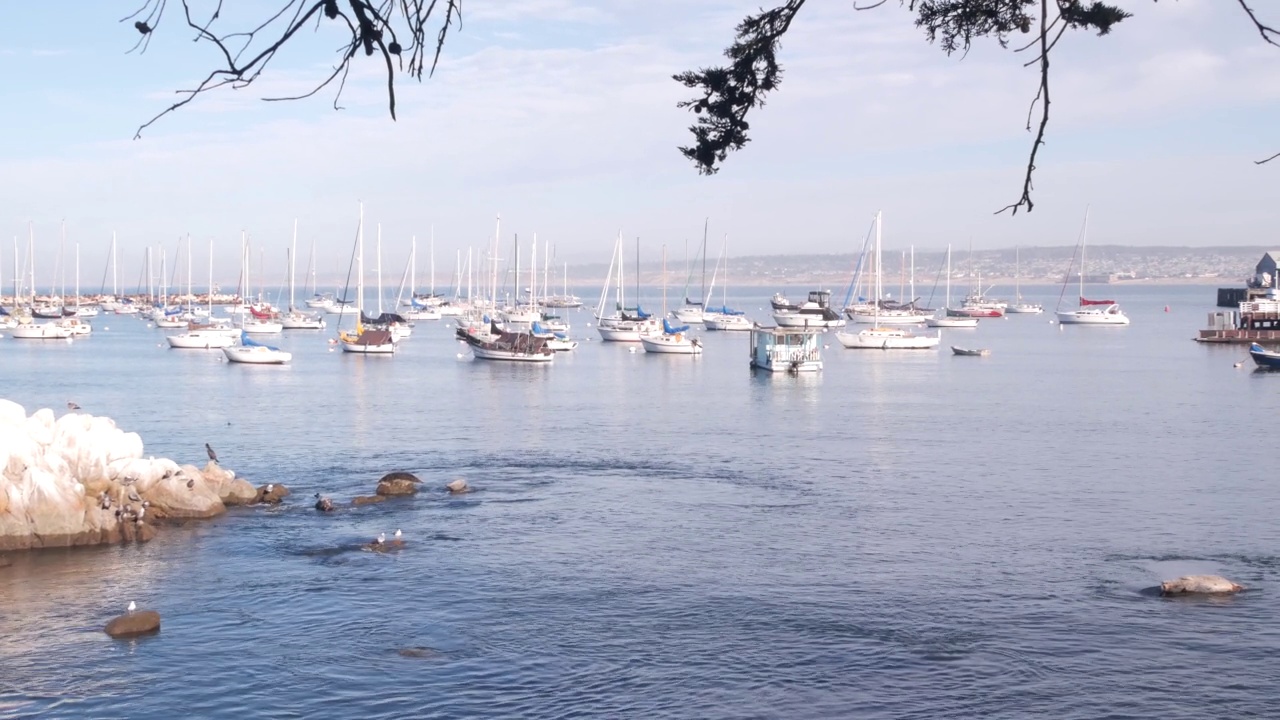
x: 1227, y: 266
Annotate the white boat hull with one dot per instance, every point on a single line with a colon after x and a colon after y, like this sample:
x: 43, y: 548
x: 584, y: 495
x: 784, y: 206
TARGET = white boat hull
x: 799, y: 320
x: 342, y: 310
x: 200, y: 340
x: 671, y: 345
x: 301, y: 322
x: 509, y: 356
x: 263, y: 328
x: 384, y: 349
x: 888, y: 339
x: 1092, y: 317
x: 887, y: 318
x: 688, y: 315
x: 952, y: 321
x: 1026, y: 309
x: 727, y: 322
x: 256, y: 355
x: 39, y: 331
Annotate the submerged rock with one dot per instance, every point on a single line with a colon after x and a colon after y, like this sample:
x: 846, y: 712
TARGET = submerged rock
x: 133, y: 624
x: 1199, y: 585
x: 367, y: 499
x: 398, y: 483
x: 324, y: 504
x: 457, y: 486
x: 418, y: 652
x: 271, y: 493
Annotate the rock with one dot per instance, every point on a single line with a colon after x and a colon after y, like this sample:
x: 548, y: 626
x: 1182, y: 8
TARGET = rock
x: 133, y: 624
x: 180, y: 492
x: 240, y: 492
x: 457, y: 486
x: 401, y: 484
x: 399, y: 475
x: 367, y: 499
x: 386, y: 546
x: 273, y: 496
x: 418, y: 652
x: 324, y: 504
x: 1199, y: 585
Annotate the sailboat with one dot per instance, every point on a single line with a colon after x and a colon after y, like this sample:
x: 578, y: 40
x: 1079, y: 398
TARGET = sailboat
x: 693, y: 309
x: 428, y: 308
x: 208, y: 335
x: 1018, y: 306
x: 29, y: 329
x: 880, y: 337
x: 1091, y: 312
x: 255, y: 353
x: 366, y: 341
x: 724, y: 317
x: 944, y: 317
x: 621, y: 325
x: 295, y: 319
x: 673, y: 340
x: 73, y: 321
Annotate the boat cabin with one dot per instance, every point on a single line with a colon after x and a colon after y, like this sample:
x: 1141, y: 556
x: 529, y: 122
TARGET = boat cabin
x: 783, y: 349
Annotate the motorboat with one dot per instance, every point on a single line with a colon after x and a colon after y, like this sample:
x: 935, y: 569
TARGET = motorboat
x: 1265, y: 359
x: 32, y: 330
x: 816, y: 312
x: 967, y: 352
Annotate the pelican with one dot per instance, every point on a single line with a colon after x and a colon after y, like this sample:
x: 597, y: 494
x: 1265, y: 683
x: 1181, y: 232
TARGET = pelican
x: 212, y: 455
x: 132, y: 606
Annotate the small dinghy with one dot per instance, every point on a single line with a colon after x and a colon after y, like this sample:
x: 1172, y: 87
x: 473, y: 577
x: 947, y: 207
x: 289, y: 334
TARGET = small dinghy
x: 977, y: 352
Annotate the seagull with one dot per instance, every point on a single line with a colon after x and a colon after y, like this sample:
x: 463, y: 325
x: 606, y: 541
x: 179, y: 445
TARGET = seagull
x: 212, y: 455
x: 72, y: 406
x: 1237, y: 364
x: 141, y: 511
x: 132, y: 606
x: 382, y: 537
x: 398, y: 533
x: 134, y: 496
x: 271, y: 487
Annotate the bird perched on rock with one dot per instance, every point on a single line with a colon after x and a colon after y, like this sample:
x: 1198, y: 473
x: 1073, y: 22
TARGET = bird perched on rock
x: 271, y: 487
x: 398, y: 533
x: 382, y: 538
x: 191, y: 483
x: 132, y: 606
x: 134, y: 496
x: 212, y: 455
x: 72, y: 406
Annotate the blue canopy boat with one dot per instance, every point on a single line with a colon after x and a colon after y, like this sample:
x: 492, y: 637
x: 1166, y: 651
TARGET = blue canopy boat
x: 1266, y: 359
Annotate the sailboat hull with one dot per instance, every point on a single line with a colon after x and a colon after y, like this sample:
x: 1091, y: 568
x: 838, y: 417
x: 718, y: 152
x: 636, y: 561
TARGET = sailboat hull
x: 201, y: 340
x: 887, y: 339
x: 39, y: 331
x: 671, y: 345
x: 740, y: 323
x: 256, y: 355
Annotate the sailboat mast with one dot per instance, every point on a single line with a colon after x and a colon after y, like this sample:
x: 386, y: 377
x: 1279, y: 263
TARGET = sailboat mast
x: 637, y: 276
x: 948, y: 275
x: 433, y: 261
x: 664, y: 279
x: 77, y: 278
x: 360, y: 271
x: 533, y: 272
x: 618, y: 294
x: 115, y: 269
x: 879, y: 279
x: 211, y: 279
x: 378, y: 263
x: 413, y: 268
x: 546, y: 267
x: 705, y: 223
x: 293, y: 261
x: 1084, y: 241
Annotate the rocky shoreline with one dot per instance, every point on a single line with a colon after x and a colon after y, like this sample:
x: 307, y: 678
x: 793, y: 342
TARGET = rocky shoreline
x: 80, y: 480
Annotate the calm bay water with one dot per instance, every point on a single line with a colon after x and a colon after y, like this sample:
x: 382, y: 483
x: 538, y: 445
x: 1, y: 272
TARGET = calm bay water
x: 901, y: 535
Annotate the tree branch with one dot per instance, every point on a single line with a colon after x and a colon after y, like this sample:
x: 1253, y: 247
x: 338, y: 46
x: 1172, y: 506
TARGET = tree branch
x: 1268, y: 33
x: 1043, y: 95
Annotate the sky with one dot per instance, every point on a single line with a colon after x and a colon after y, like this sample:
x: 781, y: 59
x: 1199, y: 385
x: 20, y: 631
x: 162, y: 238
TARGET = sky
x: 559, y: 117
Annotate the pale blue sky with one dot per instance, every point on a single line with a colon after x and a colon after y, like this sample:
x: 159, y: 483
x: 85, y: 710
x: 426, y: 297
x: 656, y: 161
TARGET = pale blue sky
x: 560, y: 115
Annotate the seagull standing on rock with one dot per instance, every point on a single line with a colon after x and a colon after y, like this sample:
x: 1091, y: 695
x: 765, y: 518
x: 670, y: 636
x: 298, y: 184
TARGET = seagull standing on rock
x: 132, y: 606
x: 382, y: 538
x: 398, y: 533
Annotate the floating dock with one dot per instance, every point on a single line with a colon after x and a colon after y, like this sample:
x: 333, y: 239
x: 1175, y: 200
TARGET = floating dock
x: 1255, y: 321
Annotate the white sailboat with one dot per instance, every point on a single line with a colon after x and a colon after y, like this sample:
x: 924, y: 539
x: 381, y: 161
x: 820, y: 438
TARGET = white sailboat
x: 1091, y: 312
x: 673, y: 340
x: 692, y: 310
x: 724, y: 317
x: 418, y: 308
x: 29, y: 329
x: 206, y: 336
x: 620, y: 325
x: 295, y: 319
x: 1018, y: 306
x: 364, y: 341
x: 251, y: 352
x: 76, y: 322
x: 880, y: 337
x: 943, y: 317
